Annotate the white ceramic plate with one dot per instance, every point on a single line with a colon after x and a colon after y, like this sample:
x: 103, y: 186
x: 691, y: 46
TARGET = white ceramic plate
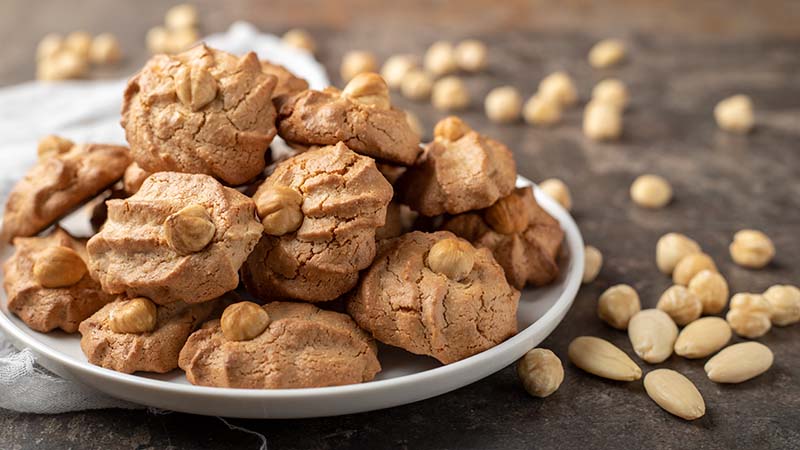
x: 405, y: 378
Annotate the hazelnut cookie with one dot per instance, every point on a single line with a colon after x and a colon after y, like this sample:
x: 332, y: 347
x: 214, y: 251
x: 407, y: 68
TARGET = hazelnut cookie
x: 461, y: 170
x: 181, y: 237
x: 133, y: 178
x: 434, y: 294
x: 279, y: 345
x: 523, y: 238
x: 59, y: 182
x: 134, y: 334
x: 201, y: 111
x: 288, y: 83
x: 361, y: 116
x: 319, y: 211
x: 48, y: 285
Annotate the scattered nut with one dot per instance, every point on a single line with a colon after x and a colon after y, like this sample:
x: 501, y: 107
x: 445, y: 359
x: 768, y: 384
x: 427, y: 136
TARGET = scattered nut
x: 602, y: 358
x: 675, y: 393
x: 157, y: 40
x: 651, y: 191
x: 785, y: 303
x: 182, y: 39
x: 243, y: 321
x: 712, y: 290
x: 181, y: 16
x: 752, y: 249
x: 542, y: 110
x: 739, y: 362
x: 450, y: 94
x: 541, y: 372
x: 195, y: 86
x: 703, y: 337
x: 440, y: 59
x: 681, y: 305
x: 749, y: 315
x: 78, y: 42
x: 105, y: 49
x: 414, y: 123
x: 559, y: 191
x: 396, y: 67
x: 189, y: 230
x: 355, y: 62
x: 58, y: 267
x: 300, y: 38
x: 611, y: 91
x: 503, y: 104
x: 416, y: 85
x: 368, y: 89
x: 671, y: 248
x: 617, y: 305
x: 52, y: 145
x: 652, y: 333
x: 471, y: 55
x: 64, y: 65
x: 452, y: 258
x: 559, y: 85
x: 735, y: 114
x: 593, y: 263
x: 507, y: 215
x: 690, y: 265
x: 602, y: 121
x: 49, y: 45
x: 137, y: 315
x: 607, y: 53
x: 280, y: 209
x: 450, y: 128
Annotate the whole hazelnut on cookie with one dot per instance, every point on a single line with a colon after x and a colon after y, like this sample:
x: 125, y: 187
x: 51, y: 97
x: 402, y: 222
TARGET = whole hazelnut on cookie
x: 280, y: 209
x: 190, y: 229
x: 453, y: 258
x: 137, y: 315
x: 58, y: 266
x: 243, y: 321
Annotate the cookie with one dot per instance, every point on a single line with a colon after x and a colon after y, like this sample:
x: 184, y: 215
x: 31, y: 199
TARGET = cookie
x: 288, y: 84
x: 434, y: 294
x: 60, y: 182
x: 302, y: 346
x: 320, y: 210
x: 181, y: 237
x: 133, y: 178
x: 49, y: 287
x: 361, y: 116
x: 399, y: 220
x: 461, y: 170
x: 522, y: 236
x: 201, y: 111
x: 110, y: 338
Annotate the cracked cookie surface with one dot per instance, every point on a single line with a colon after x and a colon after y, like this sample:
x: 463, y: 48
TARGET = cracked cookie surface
x: 201, y: 111
x: 45, y: 309
x: 136, y: 254
x: 303, y: 346
x: 287, y: 84
x: 344, y: 200
x: 403, y: 303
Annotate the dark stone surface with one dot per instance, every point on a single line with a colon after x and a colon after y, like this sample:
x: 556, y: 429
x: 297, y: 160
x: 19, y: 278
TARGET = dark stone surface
x: 680, y: 65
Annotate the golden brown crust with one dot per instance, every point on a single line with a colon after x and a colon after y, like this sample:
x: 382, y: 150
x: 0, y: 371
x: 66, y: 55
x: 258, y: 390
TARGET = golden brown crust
x: 288, y: 84
x: 133, y: 178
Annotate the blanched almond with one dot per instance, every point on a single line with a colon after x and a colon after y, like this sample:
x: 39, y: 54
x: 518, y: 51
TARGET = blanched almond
x: 602, y: 358
x: 739, y: 362
x: 652, y: 333
x: 703, y: 337
x: 675, y: 393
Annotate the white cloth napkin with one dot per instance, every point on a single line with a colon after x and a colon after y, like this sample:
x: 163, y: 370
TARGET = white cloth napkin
x: 88, y: 111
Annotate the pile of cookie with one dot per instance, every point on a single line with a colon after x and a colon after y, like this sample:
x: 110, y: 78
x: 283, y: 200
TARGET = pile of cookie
x: 247, y: 272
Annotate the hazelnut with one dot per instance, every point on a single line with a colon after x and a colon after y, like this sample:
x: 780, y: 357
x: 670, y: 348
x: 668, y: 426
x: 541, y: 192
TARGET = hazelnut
x: 300, y: 38
x: 181, y: 39
x: 49, y: 45
x: 58, y: 267
x: 690, y: 265
x: 507, y: 215
x: 195, y: 86
x: 593, y: 262
x: 64, y: 65
x: 105, y: 49
x: 671, y: 248
x: 189, y: 230
x: 157, y: 40
x: 243, y: 321
x: 559, y: 85
x: 784, y: 301
x: 607, y: 53
x: 79, y: 42
x: 416, y: 85
x: 440, y: 59
x: 542, y: 110
x: 712, y: 290
x: 368, y: 89
x: 749, y: 315
x: 735, y: 114
x: 396, y: 67
x: 681, y: 305
x: 414, y: 123
x: 356, y: 62
x: 611, y: 91
x: 450, y: 94
x: 52, y: 145
x: 137, y: 315
x: 280, y: 210
x: 181, y: 16
x: 651, y: 191
x: 558, y: 190
x: 617, y: 305
x: 471, y: 55
x: 602, y: 121
x: 451, y: 257
x: 541, y: 372
x: 752, y: 249
x: 450, y: 129
x: 503, y: 104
